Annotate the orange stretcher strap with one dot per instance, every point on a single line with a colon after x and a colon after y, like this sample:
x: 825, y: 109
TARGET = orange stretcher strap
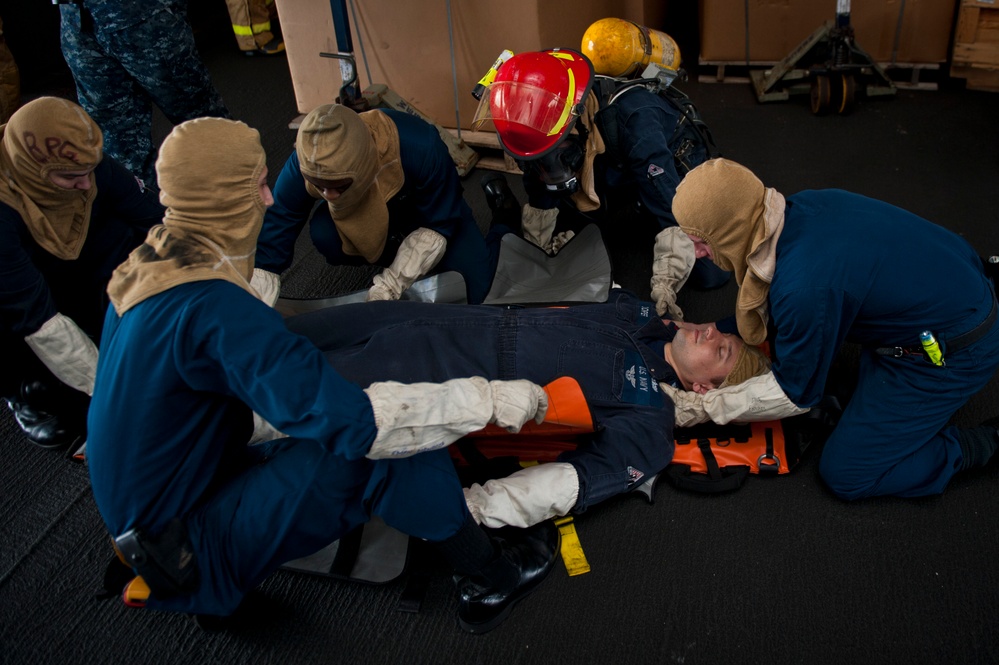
x: 763, y: 451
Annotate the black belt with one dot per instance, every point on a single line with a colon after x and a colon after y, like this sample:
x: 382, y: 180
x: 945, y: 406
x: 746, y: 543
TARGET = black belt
x: 951, y: 345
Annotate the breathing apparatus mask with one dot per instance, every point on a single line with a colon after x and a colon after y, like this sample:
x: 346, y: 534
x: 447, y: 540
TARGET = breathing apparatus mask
x: 559, y: 167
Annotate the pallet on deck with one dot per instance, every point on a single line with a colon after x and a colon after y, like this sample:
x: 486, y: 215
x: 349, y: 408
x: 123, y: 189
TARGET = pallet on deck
x: 491, y: 154
x: 910, y: 76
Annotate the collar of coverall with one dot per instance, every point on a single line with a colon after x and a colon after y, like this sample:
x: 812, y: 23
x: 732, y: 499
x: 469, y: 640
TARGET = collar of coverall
x: 727, y: 206
x: 45, y: 135
x: 214, y: 213
x: 334, y: 142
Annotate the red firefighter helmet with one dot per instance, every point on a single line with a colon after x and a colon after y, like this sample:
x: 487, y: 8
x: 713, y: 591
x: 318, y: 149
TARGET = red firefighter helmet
x: 535, y: 100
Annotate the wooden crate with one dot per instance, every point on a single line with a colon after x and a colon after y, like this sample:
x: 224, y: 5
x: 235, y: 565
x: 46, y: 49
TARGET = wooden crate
x: 491, y: 155
x: 977, y: 78
x: 976, y: 44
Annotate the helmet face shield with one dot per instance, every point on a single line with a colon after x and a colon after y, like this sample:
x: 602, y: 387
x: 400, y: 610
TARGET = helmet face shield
x: 527, y: 105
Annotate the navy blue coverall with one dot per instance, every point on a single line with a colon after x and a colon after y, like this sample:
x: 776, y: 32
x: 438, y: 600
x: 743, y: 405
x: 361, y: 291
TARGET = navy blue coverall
x: 641, y: 168
x: 853, y: 269
x: 35, y: 285
x: 605, y: 347
x: 170, y: 419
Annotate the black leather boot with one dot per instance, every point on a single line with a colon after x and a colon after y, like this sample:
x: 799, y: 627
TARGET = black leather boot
x: 499, y: 196
x: 34, y: 410
x: 502, y: 202
x: 495, y: 573
x: 978, y: 444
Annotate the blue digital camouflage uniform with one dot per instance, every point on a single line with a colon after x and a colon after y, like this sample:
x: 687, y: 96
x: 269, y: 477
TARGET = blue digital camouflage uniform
x: 127, y: 56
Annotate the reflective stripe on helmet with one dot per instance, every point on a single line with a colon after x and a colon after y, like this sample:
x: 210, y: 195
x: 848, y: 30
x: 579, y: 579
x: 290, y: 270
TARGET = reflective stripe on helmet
x: 564, y: 118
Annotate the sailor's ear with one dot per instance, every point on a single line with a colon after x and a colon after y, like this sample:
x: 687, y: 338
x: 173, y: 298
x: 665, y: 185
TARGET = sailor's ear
x: 701, y: 388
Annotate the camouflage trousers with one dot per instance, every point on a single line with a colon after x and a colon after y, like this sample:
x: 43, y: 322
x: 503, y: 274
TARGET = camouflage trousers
x: 10, y: 81
x: 122, y: 69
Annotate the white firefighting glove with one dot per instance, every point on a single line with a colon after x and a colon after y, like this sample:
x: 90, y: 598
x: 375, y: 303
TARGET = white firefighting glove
x: 672, y: 260
x: 538, y: 225
x: 757, y: 399
x: 559, y: 241
x: 526, y: 497
x: 418, y: 253
x: 413, y: 418
x: 267, y: 285
x: 67, y: 351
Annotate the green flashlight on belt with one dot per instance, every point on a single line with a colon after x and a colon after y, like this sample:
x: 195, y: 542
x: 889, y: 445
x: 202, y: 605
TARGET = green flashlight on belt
x: 932, y: 348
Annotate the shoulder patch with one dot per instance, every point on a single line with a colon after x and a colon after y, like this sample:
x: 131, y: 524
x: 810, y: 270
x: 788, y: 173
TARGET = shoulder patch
x: 634, y: 475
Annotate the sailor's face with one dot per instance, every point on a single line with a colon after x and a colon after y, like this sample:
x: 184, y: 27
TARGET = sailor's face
x: 705, y: 356
x: 701, y: 248
x: 265, y: 191
x: 72, y: 179
x: 330, y: 190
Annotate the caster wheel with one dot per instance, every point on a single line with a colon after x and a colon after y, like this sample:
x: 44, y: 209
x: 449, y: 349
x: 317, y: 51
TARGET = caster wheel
x: 821, y: 94
x: 847, y: 93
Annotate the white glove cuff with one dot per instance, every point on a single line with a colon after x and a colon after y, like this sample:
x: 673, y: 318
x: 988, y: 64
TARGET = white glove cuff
x: 755, y: 400
x: 263, y: 431
x: 526, y: 497
x: 67, y: 351
x: 267, y: 285
x: 538, y: 224
x: 672, y: 263
x: 413, y: 418
x: 418, y: 253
